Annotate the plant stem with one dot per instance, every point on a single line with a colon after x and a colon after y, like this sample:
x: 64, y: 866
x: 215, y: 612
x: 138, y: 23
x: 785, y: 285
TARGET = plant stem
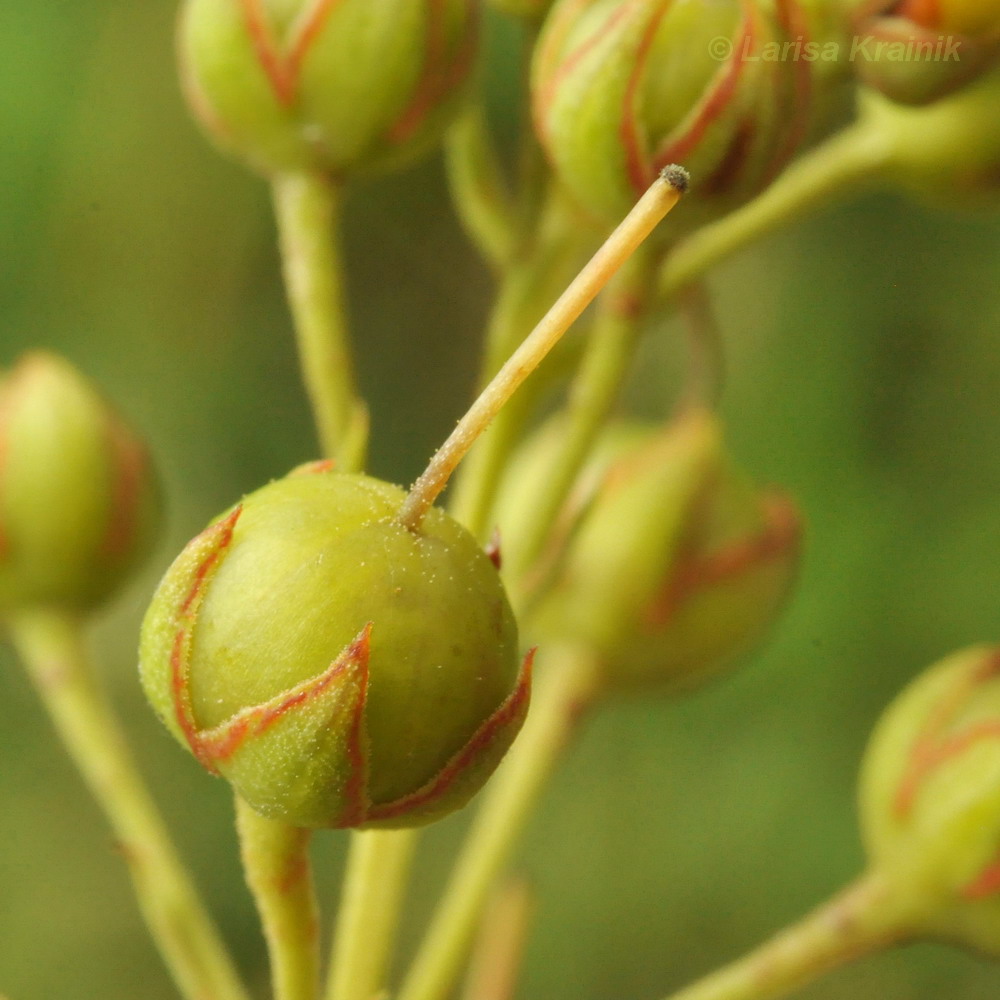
x: 566, y: 687
x: 497, y: 958
x: 662, y: 195
x: 307, y: 206
x: 856, y: 922
x: 609, y: 351
x: 851, y: 158
x: 51, y: 645
x: 276, y: 864
x: 477, y: 188
x: 371, y: 900
x: 707, y: 365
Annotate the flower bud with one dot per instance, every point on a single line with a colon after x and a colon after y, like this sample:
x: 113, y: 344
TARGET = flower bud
x: 78, y: 500
x: 920, y: 50
x: 973, y: 18
x: 337, y: 668
x: 930, y: 798
x: 335, y: 86
x: 730, y: 89
x: 678, y: 564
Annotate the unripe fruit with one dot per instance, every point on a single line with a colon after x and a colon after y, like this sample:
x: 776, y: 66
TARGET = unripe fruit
x: 918, y: 51
x: 337, y: 668
x: 79, y: 504
x: 930, y: 798
x: 331, y: 85
x: 621, y: 89
x: 677, y: 565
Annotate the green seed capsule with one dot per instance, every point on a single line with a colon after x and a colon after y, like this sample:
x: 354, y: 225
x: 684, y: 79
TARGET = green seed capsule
x: 331, y: 85
x: 337, y: 668
x: 731, y: 89
x: 918, y: 51
x: 930, y: 798
x: 675, y: 565
x: 79, y: 505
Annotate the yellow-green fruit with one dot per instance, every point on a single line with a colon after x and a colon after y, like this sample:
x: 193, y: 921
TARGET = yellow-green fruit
x: 676, y: 563
x: 930, y: 799
x: 337, y: 668
x: 730, y: 89
x: 79, y: 504
x: 974, y: 18
x: 331, y: 85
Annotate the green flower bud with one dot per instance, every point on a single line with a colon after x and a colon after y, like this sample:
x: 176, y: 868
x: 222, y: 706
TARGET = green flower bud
x: 335, y: 85
x: 930, y: 798
x: 973, y: 18
x: 918, y: 51
x: 78, y: 500
x: 677, y: 564
x: 730, y: 89
x: 337, y: 668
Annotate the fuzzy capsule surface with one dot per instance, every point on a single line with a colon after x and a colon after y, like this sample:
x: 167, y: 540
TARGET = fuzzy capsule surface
x: 674, y: 562
x: 79, y: 502
x: 338, y: 669
x: 338, y: 86
x: 930, y: 798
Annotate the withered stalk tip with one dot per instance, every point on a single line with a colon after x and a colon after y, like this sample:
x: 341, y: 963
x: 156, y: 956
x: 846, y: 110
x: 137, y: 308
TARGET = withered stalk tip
x: 676, y: 176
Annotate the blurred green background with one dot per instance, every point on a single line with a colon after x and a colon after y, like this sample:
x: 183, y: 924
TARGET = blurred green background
x: 864, y: 365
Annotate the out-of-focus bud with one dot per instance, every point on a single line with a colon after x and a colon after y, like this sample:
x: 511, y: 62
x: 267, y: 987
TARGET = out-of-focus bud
x: 78, y: 500
x: 730, y: 89
x: 918, y: 51
x: 973, y: 18
x: 948, y: 151
x: 930, y: 799
x: 677, y: 565
x: 337, y: 668
x: 336, y: 86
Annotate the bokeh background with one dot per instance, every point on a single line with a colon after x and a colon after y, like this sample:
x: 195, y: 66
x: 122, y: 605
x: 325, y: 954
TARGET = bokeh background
x: 864, y: 372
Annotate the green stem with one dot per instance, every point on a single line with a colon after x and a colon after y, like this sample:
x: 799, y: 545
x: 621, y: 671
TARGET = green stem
x: 499, y: 951
x: 306, y: 206
x: 371, y: 901
x: 477, y: 188
x: 856, y: 922
x: 707, y: 365
x: 850, y: 159
x: 606, y: 360
x: 276, y: 864
x: 52, y: 648
x: 566, y: 686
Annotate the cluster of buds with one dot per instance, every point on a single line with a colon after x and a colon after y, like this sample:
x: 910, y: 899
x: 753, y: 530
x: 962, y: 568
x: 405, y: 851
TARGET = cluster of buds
x: 675, y: 563
x: 621, y: 89
x: 339, y: 669
x: 79, y: 503
x: 930, y: 799
x: 332, y: 86
x: 918, y: 51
